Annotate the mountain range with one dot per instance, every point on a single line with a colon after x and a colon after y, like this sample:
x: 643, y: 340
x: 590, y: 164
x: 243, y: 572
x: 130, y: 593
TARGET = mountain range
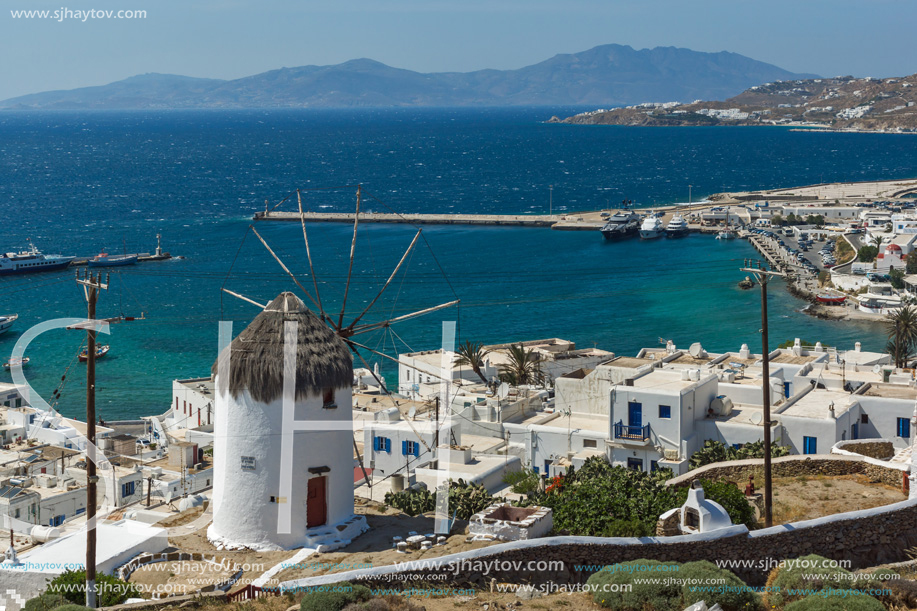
x: 610, y: 75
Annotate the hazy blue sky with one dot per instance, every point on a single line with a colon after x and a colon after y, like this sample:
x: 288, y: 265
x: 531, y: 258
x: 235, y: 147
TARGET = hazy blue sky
x: 234, y: 38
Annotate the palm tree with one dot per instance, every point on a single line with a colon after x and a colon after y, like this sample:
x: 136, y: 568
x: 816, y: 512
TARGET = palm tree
x: 524, y: 367
x: 902, y: 333
x: 472, y: 354
x: 877, y: 242
x: 900, y: 353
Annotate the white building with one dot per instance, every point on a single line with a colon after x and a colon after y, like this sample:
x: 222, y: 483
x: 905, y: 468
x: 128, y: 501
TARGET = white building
x: 192, y: 403
x: 283, y: 442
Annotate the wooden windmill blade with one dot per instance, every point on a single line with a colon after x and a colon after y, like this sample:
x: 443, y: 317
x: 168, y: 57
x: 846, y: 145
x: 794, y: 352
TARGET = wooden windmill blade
x: 336, y: 322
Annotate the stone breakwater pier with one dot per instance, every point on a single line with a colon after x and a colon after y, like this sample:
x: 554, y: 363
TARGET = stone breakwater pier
x: 576, y: 221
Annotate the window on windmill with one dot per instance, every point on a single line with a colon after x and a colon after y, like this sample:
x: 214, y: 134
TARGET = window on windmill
x: 328, y: 399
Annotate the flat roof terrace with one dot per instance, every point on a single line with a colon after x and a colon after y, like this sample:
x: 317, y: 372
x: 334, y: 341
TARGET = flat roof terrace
x: 791, y: 359
x: 891, y: 391
x: 816, y: 404
x: 666, y: 380
x: 630, y: 362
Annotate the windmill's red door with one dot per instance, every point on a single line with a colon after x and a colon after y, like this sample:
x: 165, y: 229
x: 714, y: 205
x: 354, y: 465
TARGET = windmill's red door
x: 316, y: 505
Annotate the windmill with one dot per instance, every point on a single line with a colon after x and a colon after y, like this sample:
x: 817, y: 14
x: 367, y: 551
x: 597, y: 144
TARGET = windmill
x: 348, y: 328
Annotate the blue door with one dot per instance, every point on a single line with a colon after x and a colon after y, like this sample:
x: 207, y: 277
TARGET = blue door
x: 635, y: 414
x: 855, y: 431
x: 809, y: 445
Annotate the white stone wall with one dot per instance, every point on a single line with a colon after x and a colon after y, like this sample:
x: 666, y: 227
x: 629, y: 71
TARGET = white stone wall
x: 539, y: 524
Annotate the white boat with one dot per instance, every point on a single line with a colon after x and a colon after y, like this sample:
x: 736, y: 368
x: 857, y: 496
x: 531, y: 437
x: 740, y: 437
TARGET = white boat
x: 16, y: 362
x: 103, y: 259
x: 677, y: 227
x: 651, y: 228
x: 621, y: 225
x: 6, y: 322
x: 727, y: 233
x: 31, y: 261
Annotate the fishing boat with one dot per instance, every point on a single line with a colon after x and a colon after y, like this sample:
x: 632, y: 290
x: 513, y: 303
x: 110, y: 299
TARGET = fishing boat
x: 31, y: 261
x: 727, y: 233
x: 100, y: 352
x: 104, y: 259
x: 6, y: 322
x: 677, y: 227
x: 651, y: 228
x: 831, y: 298
x: 13, y: 362
x: 621, y: 225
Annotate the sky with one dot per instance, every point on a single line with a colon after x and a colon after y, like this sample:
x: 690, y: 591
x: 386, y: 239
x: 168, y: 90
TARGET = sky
x: 234, y: 38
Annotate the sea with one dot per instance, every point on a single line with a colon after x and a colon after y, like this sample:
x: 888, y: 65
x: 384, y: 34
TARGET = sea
x: 81, y: 183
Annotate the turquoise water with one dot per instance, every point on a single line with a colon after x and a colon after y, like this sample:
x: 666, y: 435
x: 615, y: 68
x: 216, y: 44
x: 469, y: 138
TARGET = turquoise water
x: 80, y: 182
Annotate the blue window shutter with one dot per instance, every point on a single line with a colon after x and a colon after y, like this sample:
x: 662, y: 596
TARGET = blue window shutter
x: 375, y: 444
x: 416, y: 449
x: 404, y: 448
x: 388, y: 444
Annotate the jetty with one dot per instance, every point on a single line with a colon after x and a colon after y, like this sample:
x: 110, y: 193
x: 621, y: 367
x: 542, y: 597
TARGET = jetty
x: 769, y: 254
x: 141, y: 257
x: 575, y: 221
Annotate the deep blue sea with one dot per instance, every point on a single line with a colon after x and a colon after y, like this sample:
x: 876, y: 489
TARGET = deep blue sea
x: 78, y: 183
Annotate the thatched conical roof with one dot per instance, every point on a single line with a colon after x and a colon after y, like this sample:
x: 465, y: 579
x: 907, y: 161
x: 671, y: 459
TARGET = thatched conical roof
x: 322, y: 358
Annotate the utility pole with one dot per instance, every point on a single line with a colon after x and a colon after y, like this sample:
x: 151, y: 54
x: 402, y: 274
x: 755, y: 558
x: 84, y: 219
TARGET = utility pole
x: 436, y: 434
x: 91, y: 287
x: 763, y: 276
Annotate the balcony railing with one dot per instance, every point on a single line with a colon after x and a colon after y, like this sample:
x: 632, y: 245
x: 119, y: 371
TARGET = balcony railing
x: 635, y: 433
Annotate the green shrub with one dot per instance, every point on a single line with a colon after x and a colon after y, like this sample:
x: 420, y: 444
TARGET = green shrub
x: 46, y: 602
x: 717, y: 451
x: 823, y: 601
x: 628, y: 528
x: 111, y: 590
x: 736, y: 594
x: 664, y: 592
x: 597, y: 499
x: 642, y: 596
x: 72, y: 607
x: 522, y: 482
x: 330, y: 599
x: 465, y: 499
x: 811, y: 573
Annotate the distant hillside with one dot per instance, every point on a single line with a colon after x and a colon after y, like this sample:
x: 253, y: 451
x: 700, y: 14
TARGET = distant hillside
x: 843, y: 103
x: 609, y: 75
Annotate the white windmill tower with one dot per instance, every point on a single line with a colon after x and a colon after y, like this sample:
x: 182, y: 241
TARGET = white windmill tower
x: 283, y: 475
x: 246, y: 422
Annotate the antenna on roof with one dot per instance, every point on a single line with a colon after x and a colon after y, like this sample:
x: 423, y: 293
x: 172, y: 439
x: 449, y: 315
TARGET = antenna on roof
x: 696, y: 350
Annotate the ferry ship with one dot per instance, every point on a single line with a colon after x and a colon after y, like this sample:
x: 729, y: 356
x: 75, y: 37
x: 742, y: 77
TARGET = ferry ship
x: 31, y: 261
x: 621, y: 225
x: 677, y: 227
x: 651, y: 228
x: 6, y: 322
